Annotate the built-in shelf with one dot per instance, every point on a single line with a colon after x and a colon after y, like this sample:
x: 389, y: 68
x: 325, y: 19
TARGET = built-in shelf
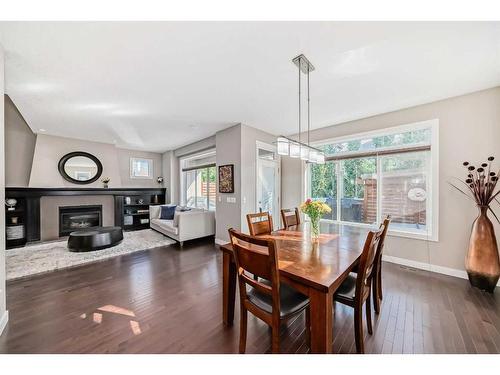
x: 28, y: 206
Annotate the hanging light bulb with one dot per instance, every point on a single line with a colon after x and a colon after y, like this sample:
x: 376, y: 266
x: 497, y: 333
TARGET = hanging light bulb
x: 294, y: 150
x: 283, y: 146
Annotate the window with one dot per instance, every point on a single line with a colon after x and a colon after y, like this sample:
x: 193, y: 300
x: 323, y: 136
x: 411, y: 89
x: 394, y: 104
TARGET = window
x: 372, y: 175
x: 141, y: 168
x: 198, y: 180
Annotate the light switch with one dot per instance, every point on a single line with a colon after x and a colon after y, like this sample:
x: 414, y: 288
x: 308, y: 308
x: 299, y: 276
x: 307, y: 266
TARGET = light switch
x: 231, y: 200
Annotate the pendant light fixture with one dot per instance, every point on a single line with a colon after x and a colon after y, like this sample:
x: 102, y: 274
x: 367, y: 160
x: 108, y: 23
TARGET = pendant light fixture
x: 299, y: 149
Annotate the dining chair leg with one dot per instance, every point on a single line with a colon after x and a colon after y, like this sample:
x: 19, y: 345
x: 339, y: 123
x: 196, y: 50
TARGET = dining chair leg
x: 243, y: 329
x: 379, y: 280
x: 275, y: 340
x: 376, y: 301
x: 358, y: 329
x: 308, y: 325
x: 369, y: 316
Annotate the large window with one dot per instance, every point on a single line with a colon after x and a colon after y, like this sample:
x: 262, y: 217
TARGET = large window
x: 198, y: 176
x: 372, y: 175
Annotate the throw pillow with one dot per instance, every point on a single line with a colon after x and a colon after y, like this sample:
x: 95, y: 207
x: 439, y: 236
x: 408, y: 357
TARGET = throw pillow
x: 167, y: 212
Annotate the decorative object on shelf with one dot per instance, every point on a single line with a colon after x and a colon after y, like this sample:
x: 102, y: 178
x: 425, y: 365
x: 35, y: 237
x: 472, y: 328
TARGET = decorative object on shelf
x: 11, y: 204
x: 315, y: 209
x: 140, y: 201
x: 15, y: 232
x: 14, y: 220
x: 297, y: 148
x: 226, y: 178
x: 159, y: 180
x: 128, y: 220
x: 482, y: 262
x: 105, y: 182
x: 128, y: 200
x: 80, y: 167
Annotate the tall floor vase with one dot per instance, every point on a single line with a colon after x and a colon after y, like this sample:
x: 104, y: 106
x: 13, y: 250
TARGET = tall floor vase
x: 482, y: 261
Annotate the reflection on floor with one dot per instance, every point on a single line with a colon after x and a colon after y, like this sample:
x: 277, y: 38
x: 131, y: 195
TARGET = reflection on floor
x: 169, y: 301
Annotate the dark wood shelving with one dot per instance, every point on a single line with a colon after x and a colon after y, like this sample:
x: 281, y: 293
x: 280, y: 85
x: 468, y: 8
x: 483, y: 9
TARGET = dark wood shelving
x: 28, y: 206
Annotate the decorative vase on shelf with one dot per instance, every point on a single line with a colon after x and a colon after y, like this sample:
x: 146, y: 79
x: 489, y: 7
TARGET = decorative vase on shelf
x: 482, y: 261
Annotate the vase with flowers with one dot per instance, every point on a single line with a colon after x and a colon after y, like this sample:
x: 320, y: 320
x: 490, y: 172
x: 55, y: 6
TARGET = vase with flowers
x: 482, y: 262
x: 315, y: 210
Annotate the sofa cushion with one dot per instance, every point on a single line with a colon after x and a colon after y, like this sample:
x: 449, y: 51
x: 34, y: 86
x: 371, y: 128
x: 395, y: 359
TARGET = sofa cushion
x: 167, y: 212
x: 167, y: 225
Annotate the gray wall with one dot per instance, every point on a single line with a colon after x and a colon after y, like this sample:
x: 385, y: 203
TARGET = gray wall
x: 19, y: 146
x: 116, y: 162
x: 228, y: 215
x: 469, y: 129
x: 3, y: 305
x: 124, y: 168
x: 249, y: 137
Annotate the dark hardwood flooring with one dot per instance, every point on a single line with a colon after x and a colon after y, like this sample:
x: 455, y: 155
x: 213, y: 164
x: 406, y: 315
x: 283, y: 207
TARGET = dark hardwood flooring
x: 168, y: 300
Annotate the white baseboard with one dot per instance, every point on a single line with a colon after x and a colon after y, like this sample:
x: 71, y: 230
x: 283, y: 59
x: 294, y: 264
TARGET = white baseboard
x: 427, y: 267
x: 218, y: 241
x: 3, y: 321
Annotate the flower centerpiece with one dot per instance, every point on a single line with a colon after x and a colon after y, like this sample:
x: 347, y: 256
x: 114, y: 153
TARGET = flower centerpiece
x: 482, y: 262
x: 315, y: 210
x: 105, y: 182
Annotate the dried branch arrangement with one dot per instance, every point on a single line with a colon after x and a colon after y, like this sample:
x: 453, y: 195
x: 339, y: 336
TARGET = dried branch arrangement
x: 480, y: 184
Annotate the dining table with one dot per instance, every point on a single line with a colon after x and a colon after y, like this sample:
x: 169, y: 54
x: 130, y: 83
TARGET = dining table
x: 314, y: 267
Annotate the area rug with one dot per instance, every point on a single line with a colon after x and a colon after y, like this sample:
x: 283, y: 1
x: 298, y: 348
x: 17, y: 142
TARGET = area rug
x: 49, y: 256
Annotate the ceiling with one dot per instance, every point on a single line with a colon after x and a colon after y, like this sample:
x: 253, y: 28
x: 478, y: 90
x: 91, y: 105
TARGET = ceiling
x: 159, y: 85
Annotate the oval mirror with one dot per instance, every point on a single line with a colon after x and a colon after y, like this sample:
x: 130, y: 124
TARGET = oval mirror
x: 80, y: 167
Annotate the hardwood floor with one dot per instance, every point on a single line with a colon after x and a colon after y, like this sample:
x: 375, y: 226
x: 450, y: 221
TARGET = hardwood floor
x: 168, y: 300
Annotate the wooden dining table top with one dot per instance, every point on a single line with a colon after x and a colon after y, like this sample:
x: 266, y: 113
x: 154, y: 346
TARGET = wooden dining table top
x: 323, y: 264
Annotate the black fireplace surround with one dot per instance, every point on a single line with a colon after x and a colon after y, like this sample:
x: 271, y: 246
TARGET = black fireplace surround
x: 73, y: 218
x: 28, y: 207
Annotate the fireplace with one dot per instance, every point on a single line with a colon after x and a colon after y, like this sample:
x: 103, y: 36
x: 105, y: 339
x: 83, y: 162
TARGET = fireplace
x: 73, y: 218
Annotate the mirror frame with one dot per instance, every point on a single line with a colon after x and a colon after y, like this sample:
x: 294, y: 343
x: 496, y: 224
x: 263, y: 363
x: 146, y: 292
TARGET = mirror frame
x: 67, y: 177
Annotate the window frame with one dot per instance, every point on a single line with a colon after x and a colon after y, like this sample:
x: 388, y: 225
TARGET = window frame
x: 432, y: 207
x: 150, y: 167
x: 183, y: 176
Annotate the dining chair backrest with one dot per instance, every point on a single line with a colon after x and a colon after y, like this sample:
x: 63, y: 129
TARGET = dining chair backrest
x: 290, y: 217
x: 260, y: 223
x: 380, y: 247
x: 367, y: 262
x: 256, y: 256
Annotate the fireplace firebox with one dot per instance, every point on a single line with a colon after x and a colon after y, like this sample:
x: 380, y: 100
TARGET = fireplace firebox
x: 73, y: 218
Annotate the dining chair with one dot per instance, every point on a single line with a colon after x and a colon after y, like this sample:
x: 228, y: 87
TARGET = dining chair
x: 260, y: 223
x: 290, y: 217
x: 266, y: 298
x: 355, y: 291
x: 377, y: 278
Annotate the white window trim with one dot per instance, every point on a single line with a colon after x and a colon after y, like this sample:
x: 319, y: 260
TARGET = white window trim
x: 150, y: 162
x: 433, y: 218
x: 197, y: 155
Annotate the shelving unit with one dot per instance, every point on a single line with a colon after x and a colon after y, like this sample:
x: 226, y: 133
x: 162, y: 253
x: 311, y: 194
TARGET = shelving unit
x: 130, y: 218
x: 16, y: 231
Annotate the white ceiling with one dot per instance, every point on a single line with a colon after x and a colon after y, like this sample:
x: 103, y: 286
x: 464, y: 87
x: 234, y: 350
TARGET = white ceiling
x: 158, y: 86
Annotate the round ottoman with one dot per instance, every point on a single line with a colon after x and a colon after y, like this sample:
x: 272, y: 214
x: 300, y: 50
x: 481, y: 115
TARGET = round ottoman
x: 94, y: 238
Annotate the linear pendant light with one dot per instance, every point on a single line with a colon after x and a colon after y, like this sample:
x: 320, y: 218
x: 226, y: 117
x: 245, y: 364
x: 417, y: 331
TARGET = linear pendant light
x: 299, y: 149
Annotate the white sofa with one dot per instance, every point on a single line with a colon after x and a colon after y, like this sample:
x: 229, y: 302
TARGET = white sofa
x: 185, y: 226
